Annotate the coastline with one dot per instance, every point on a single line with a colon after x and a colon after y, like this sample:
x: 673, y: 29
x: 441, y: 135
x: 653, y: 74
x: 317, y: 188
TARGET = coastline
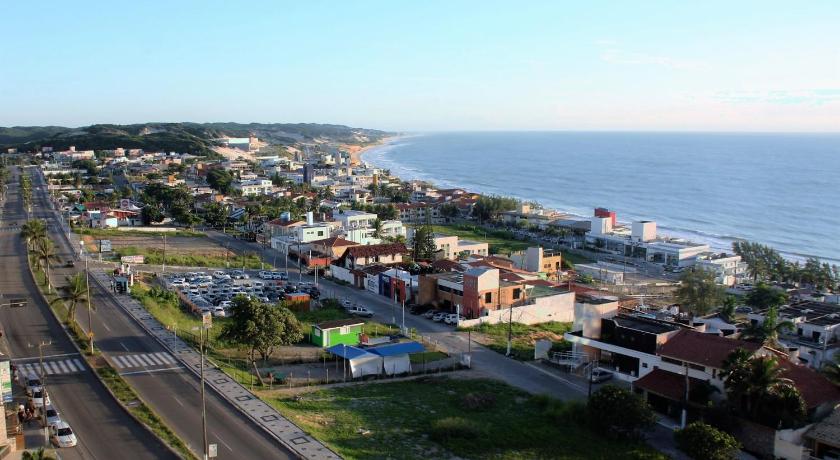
x: 357, y: 152
x: 376, y: 155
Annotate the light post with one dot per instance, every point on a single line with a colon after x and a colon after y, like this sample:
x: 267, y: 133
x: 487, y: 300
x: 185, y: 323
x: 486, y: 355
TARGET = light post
x: 43, y: 376
x: 90, y: 315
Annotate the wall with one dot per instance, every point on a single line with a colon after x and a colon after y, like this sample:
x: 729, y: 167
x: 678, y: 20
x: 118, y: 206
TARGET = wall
x: 342, y: 273
x: 558, y: 307
x: 788, y: 444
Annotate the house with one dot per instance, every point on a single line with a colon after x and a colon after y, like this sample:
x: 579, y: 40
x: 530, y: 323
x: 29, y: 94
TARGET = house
x: 452, y: 247
x: 334, y: 247
x: 729, y: 269
x: 342, y: 331
x: 816, y: 337
x: 356, y: 257
x: 537, y: 259
x: 419, y: 213
x: 823, y: 439
x: 477, y: 290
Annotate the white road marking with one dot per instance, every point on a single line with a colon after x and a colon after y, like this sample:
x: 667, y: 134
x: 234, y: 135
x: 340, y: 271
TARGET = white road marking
x: 35, y: 358
x: 567, y: 382
x: 150, y: 371
x: 79, y: 363
x: 131, y: 360
x: 165, y: 357
x: 124, y: 347
x: 119, y: 362
x: 145, y: 360
x: 154, y: 358
x: 178, y: 401
x: 222, y: 441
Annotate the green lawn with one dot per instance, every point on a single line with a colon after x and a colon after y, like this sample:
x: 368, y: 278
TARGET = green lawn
x: 168, y: 311
x: 522, y: 345
x: 500, y: 242
x: 432, y: 418
x: 427, y: 357
x: 100, y: 232
x: 154, y: 256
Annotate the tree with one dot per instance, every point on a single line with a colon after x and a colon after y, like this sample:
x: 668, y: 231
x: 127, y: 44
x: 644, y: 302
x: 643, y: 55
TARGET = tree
x: 768, y: 331
x: 377, y: 228
x: 45, y: 253
x: 75, y: 294
x: 261, y: 328
x: 616, y: 411
x: 705, y: 442
x: 698, y: 292
x: 831, y: 369
x: 424, y: 246
x: 215, y: 215
x: 220, y: 179
x: 727, y: 311
x: 756, y: 388
x: 765, y: 296
x: 33, y: 231
x: 151, y: 214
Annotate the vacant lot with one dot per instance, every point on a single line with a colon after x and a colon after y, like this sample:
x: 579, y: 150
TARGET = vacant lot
x: 449, y: 418
x: 495, y: 336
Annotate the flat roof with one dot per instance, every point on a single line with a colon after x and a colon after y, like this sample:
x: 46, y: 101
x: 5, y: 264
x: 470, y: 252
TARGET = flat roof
x: 645, y: 325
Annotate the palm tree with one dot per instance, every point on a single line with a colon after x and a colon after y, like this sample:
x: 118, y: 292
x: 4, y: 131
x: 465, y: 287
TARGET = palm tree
x: 75, y: 294
x: 45, y: 252
x: 377, y: 228
x: 768, y: 331
x: 832, y: 369
x: 33, y: 231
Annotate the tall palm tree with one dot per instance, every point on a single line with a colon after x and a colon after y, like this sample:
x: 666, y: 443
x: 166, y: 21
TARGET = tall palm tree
x: 74, y: 294
x: 33, y: 231
x: 45, y: 252
x: 377, y: 228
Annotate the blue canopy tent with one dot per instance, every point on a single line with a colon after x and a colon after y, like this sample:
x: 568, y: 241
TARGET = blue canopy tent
x: 394, y: 356
x: 361, y: 362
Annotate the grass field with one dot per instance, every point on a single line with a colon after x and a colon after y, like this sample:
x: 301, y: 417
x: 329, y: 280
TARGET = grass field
x: 495, y: 336
x: 501, y: 241
x: 154, y: 256
x: 102, y: 232
x: 332, y: 311
x: 434, y: 418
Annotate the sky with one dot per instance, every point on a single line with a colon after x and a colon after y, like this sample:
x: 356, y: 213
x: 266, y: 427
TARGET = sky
x: 426, y: 66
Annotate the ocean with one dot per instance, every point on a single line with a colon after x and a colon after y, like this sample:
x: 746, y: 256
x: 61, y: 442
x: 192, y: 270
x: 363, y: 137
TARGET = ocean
x: 778, y: 189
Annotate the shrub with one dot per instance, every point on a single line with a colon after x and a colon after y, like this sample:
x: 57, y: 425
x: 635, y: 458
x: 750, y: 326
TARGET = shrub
x: 618, y: 412
x: 449, y: 428
x: 478, y: 401
x: 701, y: 441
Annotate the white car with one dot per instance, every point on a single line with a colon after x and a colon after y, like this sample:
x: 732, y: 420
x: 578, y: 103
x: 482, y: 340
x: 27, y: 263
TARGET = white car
x: 40, y: 398
x: 220, y: 275
x: 62, y: 435
x: 439, y: 316
x: 453, y: 319
x: 50, y: 415
x: 219, y: 312
x: 359, y: 311
x: 32, y: 383
x: 266, y: 275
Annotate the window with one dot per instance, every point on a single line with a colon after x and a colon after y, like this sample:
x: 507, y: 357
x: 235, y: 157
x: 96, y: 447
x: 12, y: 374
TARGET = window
x: 697, y: 367
x: 320, y: 233
x: 488, y: 297
x: 517, y: 293
x: 317, y: 332
x: 672, y: 361
x: 644, y: 365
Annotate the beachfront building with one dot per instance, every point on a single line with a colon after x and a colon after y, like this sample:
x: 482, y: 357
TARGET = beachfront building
x: 604, y: 272
x: 254, y: 187
x: 451, y: 247
x: 419, y: 213
x: 642, y: 242
x: 815, y: 339
x: 548, y: 262
x: 729, y: 269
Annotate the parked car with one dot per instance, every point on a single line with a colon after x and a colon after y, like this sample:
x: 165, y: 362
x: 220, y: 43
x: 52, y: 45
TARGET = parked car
x: 50, y: 415
x: 32, y: 383
x: 359, y: 311
x: 429, y: 314
x: 40, y: 398
x: 453, y: 319
x: 600, y: 375
x: 266, y: 275
x: 220, y: 275
x: 439, y: 316
x: 70, y: 263
x: 239, y: 275
x: 62, y: 435
x: 744, y: 309
x: 346, y: 303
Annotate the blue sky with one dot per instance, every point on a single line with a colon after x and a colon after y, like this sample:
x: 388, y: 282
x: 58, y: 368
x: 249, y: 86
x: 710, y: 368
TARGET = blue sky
x: 418, y: 66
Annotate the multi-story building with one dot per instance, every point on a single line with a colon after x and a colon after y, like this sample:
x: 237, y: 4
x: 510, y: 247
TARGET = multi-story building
x: 452, y: 247
x: 351, y: 219
x: 815, y: 339
x: 728, y: 268
x: 539, y: 260
x: 419, y: 213
x: 254, y: 187
x: 642, y: 242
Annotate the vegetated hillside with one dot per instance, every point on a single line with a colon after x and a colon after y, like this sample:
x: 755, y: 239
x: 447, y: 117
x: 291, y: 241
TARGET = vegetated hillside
x: 197, y: 138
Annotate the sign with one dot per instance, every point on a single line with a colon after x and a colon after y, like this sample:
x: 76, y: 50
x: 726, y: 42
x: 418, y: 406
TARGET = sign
x: 206, y: 320
x: 6, y: 380
x: 104, y: 245
x: 133, y: 259
x: 212, y: 450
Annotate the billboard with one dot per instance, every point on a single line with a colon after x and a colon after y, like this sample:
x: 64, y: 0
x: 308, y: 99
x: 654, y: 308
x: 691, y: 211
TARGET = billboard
x: 104, y: 245
x: 132, y: 259
x: 6, y: 380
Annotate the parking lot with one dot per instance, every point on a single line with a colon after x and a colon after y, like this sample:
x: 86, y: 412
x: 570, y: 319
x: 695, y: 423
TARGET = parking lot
x: 214, y: 291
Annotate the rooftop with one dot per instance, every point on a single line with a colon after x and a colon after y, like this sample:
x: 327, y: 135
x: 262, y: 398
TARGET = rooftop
x: 339, y: 323
x: 706, y: 349
x: 644, y: 324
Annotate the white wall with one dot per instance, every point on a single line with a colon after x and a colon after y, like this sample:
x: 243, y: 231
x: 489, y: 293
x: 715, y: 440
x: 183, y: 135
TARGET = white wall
x: 341, y: 273
x: 560, y: 307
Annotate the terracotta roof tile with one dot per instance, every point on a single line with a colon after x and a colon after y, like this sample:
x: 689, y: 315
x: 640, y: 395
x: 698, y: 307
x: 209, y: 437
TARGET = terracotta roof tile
x: 706, y: 349
x: 377, y: 250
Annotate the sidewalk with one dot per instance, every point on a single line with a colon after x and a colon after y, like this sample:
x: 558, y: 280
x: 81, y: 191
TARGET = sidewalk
x: 265, y: 416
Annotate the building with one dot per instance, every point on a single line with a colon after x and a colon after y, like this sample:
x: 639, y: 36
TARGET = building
x: 452, y: 247
x: 351, y: 219
x: 476, y: 291
x: 728, y: 268
x: 539, y: 260
x: 815, y: 338
x: 604, y: 272
x: 419, y: 213
x: 334, y: 247
x: 254, y: 187
x: 642, y: 242
x: 337, y: 332
x: 356, y: 257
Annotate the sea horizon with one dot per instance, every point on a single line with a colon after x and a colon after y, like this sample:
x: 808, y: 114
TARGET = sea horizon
x: 406, y: 154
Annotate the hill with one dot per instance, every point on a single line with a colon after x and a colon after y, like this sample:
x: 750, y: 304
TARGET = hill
x: 197, y: 138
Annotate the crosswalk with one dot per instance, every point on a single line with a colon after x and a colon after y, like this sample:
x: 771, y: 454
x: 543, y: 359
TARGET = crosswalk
x: 143, y: 360
x: 64, y: 366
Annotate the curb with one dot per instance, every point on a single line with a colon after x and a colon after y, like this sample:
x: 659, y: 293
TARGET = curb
x: 96, y: 374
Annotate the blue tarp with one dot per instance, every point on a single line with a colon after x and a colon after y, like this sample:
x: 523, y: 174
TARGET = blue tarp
x: 347, y: 351
x: 396, y: 349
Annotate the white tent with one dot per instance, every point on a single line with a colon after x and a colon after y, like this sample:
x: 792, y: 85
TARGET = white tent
x: 361, y: 362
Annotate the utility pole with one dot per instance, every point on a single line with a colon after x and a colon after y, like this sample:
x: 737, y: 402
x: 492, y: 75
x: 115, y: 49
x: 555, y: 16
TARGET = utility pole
x: 164, y: 254
x: 202, y: 335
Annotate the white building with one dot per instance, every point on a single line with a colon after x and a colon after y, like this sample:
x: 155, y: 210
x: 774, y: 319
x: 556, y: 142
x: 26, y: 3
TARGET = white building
x: 355, y: 219
x: 728, y: 268
x: 602, y: 271
x: 254, y: 187
x: 816, y: 337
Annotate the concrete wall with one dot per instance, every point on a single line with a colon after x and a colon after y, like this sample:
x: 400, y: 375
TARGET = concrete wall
x: 341, y: 273
x: 558, y: 307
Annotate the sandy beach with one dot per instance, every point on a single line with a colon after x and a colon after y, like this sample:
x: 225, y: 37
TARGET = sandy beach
x: 356, y: 151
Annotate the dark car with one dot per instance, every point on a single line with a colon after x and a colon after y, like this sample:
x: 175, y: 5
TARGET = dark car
x: 419, y: 309
x: 70, y: 263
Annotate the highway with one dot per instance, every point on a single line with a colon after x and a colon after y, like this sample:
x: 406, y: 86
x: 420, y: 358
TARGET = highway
x: 104, y: 430
x: 172, y: 391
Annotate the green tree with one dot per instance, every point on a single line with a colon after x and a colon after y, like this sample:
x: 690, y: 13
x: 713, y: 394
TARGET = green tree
x: 615, y: 411
x: 698, y: 292
x: 45, y: 254
x: 768, y: 331
x: 765, y: 296
x: 74, y: 294
x: 215, y: 215
x: 424, y: 246
x: 705, y: 442
x: 756, y: 388
x: 831, y: 369
x: 377, y: 228
x: 33, y: 231
x: 727, y: 311
x: 151, y: 214
x: 261, y: 328
x: 220, y: 179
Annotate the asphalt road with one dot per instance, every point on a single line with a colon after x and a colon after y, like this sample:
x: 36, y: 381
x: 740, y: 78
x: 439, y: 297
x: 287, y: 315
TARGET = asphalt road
x: 170, y: 390
x: 104, y: 430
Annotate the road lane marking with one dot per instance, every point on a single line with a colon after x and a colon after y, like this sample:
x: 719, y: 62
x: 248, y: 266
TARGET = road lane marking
x: 178, y: 401
x: 124, y: 347
x: 131, y: 360
x: 145, y: 360
x: 35, y: 358
x: 154, y: 358
x: 150, y: 371
x: 165, y: 357
x: 118, y: 361
x: 79, y: 363
x: 219, y: 438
